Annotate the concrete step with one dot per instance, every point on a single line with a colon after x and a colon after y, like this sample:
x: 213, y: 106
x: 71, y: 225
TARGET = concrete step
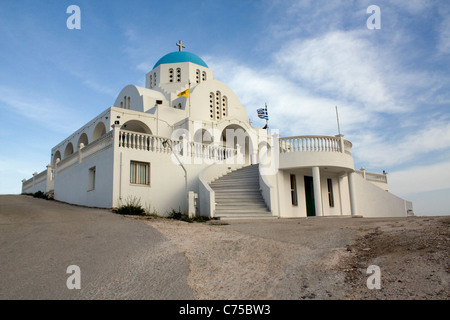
x: 241, y: 206
x: 250, y: 185
x: 238, y: 195
x: 235, y: 181
x: 241, y: 216
x: 235, y: 189
x: 238, y: 176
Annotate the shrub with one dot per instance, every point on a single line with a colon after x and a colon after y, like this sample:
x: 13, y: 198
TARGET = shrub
x: 42, y: 195
x: 131, y: 207
x: 177, y: 215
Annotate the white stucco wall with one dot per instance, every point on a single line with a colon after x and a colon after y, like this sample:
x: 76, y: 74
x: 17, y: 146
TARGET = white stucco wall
x: 72, y: 175
x: 373, y: 201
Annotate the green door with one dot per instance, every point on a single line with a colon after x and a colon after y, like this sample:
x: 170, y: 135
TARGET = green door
x: 309, y: 195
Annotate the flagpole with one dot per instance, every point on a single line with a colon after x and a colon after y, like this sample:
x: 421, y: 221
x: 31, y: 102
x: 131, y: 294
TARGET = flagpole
x: 337, y: 118
x: 189, y: 98
x: 267, y: 118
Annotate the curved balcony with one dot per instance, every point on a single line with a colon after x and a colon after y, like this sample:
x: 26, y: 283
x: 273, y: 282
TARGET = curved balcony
x: 315, y: 151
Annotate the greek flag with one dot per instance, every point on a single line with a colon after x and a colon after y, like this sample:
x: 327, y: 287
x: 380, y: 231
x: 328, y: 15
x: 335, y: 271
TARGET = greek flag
x: 262, y: 113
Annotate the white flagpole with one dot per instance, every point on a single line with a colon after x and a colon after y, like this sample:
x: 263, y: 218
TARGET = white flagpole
x: 337, y: 118
x: 267, y: 120
x: 189, y: 98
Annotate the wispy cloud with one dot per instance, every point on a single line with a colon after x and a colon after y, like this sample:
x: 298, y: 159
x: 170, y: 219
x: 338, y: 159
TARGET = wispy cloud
x: 47, y: 112
x: 421, y: 178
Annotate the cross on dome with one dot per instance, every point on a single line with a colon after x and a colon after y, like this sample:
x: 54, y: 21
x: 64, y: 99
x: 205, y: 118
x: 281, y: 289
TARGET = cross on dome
x: 180, y: 46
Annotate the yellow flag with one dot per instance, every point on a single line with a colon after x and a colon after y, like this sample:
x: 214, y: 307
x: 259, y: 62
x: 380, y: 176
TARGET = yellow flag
x: 184, y: 93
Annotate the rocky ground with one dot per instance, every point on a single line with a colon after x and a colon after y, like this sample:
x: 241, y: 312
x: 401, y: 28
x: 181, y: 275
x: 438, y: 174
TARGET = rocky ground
x: 413, y: 256
x: 318, y: 258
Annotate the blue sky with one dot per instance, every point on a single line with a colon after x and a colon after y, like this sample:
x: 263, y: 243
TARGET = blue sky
x: 302, y: 58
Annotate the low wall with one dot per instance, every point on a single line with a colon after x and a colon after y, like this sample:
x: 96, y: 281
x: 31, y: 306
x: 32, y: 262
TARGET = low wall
x: 35, y: 184
x: 373, y: 201
x: 206, y: 194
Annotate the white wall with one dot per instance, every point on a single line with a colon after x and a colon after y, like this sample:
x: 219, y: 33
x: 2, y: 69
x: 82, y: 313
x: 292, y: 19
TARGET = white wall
x: 167, y: 183
x: 72, y: 176
x: 373, y: 201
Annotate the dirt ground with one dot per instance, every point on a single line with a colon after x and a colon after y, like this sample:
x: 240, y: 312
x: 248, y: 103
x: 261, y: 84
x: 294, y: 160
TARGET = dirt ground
x: 314, y: 258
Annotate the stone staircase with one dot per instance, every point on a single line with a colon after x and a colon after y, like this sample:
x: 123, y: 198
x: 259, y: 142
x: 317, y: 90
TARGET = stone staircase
x: 238, y: 195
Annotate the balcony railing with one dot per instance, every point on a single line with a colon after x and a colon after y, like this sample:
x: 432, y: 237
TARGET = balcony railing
x: 371, y: 176
x: 315, y: 144
x: 148, y: 142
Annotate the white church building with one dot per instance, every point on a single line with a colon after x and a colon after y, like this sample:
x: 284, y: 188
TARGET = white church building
x: 184, y: 142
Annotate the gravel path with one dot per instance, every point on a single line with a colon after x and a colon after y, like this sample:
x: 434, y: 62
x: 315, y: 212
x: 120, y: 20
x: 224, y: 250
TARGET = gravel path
x: 119, y: 258
x: 157, y: 258
x: 315, y: 258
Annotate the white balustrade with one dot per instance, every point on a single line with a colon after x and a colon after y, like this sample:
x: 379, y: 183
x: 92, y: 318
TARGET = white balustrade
x: 313, y: 143
x: 148, y: 142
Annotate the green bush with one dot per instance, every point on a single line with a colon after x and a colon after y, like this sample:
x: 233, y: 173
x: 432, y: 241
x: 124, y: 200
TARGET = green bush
x: 177, y: 215
x: 132, y: 207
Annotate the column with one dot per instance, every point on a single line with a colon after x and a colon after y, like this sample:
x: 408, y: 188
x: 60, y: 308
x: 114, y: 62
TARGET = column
x: 352, y: 191
x: 49, y: 184
x: 317, y: 191
x: 341, y: 198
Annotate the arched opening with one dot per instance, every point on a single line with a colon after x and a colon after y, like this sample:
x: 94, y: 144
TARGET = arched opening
x: 99, y: 131
x: 69, y: 150
x: 83, y: 140
x: 203, y: 136
x: 136, y: 126
x: 234, y: 135
x: 56, y: 156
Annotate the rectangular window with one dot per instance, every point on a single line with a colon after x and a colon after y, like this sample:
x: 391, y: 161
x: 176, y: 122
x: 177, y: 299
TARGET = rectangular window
x: 330, y: 193
x: 91, y: 181
x: 139, y: 173
x: 294, y: 190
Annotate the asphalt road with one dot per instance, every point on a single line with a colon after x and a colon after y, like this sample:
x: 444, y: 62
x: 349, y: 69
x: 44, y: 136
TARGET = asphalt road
x: 118, y: 257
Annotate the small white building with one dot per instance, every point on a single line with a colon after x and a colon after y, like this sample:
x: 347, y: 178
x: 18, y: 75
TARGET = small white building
x: 184, y: 142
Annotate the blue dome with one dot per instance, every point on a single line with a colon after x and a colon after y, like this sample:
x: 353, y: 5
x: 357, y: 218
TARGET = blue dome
x: 181, y: 56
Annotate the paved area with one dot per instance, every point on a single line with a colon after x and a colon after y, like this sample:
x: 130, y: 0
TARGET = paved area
x: 119, y: 258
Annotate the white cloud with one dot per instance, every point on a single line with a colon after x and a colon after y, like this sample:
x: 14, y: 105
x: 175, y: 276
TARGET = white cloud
x: 444, y: 36
x: 344, y: 65
x: 420, y: 178
x: 377, y: 150
x: 46, y: 112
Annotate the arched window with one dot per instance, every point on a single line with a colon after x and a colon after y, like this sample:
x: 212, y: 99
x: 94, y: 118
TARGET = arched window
x: 129, y: 103
x: 154, y: 79
x: 217, y: 108
x: 83, y: 140
x: 197, y: 76
x: 170, y: 75
x: 56, y: 157
x: 211, y: 105
x: 69, y: 150
x: 99, y: 131
x: 151, y: 81
x: 178, y: 74
x: 179, y: 106
x: 204, y: 76
x: 224, y: 106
